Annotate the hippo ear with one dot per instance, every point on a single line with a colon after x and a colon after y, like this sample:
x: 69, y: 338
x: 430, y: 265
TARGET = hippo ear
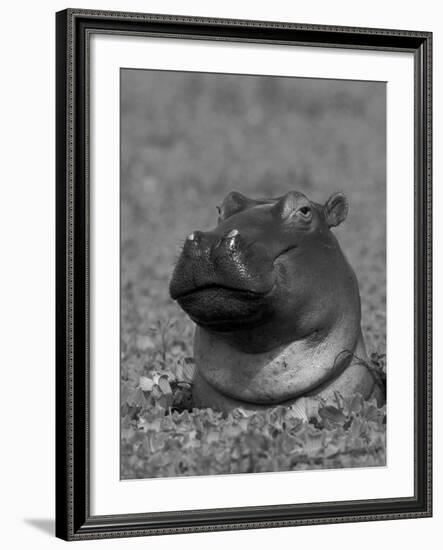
x: 336, y: 209
x: 233, y: 203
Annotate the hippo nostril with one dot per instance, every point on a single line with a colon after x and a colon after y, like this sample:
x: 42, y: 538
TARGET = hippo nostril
x: 193, y: 244
x: 195, y: 237
x: 231, y: 239
x: 233, y: 233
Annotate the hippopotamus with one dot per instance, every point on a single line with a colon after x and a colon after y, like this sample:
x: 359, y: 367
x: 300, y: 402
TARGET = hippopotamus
x: 276, y: 306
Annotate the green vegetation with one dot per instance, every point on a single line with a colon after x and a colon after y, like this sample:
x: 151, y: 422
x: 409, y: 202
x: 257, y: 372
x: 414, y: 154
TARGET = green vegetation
x: 187, y: 140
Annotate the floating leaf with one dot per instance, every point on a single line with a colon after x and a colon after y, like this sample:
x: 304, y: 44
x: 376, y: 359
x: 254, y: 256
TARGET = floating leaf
x: 298, y: 409
x: 156, y: 441
x: 371, y: 412
x: 356, y: 427
x: 232, y: 431
x: 356, y: 404
x: 338, y: 398
x: 164, y: 385
x: 189, y: 369
x: 331, y: 413
x: 150, y: 425
x: 156, y: 392
x: 313, y: 442
x: 137, y: 399
x: 126, y: 392
x: 179, y: 372
x: 145, y: 383
x: 165, y: 401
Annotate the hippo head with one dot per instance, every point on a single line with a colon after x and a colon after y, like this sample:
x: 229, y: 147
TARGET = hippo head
x: 269, y: 273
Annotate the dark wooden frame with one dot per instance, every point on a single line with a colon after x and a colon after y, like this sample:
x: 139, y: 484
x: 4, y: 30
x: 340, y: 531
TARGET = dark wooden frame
x: 73, y: 518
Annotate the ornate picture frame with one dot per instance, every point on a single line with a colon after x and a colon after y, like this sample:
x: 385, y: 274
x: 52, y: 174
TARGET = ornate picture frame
x: 75, y: 519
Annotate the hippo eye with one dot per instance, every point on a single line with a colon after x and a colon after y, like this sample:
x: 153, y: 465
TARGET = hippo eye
x: 305, y: 211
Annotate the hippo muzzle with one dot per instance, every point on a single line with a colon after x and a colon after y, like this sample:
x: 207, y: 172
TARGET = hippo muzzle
x: 275, y: 301
x: 222, y: 280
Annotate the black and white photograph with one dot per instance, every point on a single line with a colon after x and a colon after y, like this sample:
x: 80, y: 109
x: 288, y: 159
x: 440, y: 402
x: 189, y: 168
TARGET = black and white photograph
x: 220, y: 233
x: 253, y: 274
x: 243, y: 274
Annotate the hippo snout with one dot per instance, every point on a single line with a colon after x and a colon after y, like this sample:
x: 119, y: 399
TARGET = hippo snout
x: 221, y: 277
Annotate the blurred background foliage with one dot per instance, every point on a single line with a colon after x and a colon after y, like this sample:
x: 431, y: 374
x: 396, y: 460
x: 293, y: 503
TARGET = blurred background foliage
x: 187, y: 139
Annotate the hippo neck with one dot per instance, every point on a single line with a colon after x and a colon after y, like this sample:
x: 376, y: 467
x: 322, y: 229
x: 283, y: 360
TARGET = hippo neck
x: 283, y: 373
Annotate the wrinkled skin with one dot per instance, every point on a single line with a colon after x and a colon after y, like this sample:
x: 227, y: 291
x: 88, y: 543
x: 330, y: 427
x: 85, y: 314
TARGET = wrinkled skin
x: 276, y: 304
